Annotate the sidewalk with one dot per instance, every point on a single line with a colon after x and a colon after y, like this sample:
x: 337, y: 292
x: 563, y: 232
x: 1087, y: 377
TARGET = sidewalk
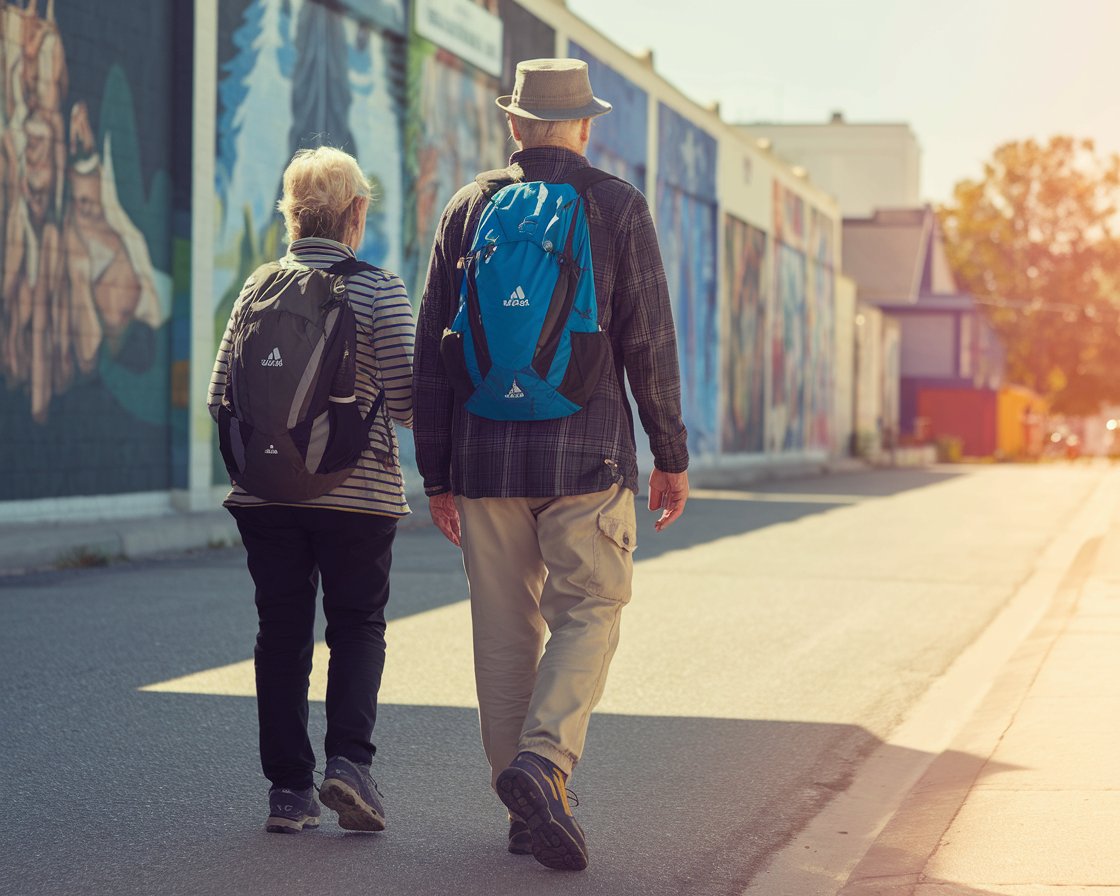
x: 47, y: 545
x: 1026, y: 801
x: 59, y: 545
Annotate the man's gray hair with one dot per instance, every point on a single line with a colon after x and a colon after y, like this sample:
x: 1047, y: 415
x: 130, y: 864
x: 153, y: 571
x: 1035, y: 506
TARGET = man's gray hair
x: 543, y: 133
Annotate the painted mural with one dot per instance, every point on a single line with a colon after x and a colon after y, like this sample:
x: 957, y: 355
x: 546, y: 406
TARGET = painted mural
x: 743, y: 337
x: 85, y: 197
x: 295, y: 74
x: 821, y: 330
x: 802, y: 328
x: 619, y: 140
x: 686, y: 226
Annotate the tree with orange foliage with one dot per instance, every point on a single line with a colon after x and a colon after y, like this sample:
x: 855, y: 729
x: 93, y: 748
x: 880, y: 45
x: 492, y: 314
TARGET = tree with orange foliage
x: 1036, y: 241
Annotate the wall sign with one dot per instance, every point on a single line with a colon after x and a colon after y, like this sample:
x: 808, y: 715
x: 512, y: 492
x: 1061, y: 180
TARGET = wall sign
x: 467, y: 30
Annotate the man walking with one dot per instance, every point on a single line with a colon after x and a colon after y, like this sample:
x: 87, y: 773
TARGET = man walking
x: 544, y: 508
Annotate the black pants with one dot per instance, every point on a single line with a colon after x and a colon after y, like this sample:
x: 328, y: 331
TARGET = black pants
x: 289, y: 548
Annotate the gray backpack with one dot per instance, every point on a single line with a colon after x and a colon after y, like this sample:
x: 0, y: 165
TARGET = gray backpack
x: 289, y: 426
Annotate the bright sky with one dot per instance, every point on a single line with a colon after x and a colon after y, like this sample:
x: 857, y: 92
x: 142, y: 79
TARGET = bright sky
x: 967, y: 75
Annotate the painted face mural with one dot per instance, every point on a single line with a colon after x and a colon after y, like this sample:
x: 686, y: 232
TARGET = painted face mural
x: 83, y: 301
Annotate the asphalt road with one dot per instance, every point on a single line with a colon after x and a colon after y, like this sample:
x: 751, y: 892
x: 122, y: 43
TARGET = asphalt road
x: 776, y: 637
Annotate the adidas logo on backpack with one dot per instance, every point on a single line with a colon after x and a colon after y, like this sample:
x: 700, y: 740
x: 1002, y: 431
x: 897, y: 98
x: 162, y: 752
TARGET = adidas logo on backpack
x: 516, y: 299
x: 551, y: 348
x: 273, y: 360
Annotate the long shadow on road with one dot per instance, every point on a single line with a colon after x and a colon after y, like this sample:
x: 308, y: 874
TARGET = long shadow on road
x: 158, y: 793
x: 128, y: 792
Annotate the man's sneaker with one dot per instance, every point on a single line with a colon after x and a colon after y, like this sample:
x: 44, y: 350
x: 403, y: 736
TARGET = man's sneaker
x: 290, y: 811
x: 352, y: 793
x: 532, y: 788
x: 520, y: 843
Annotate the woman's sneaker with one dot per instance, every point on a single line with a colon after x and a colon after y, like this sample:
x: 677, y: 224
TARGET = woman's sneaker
x: 290, y: 811
x: 533, y: 789
x: 352, y: 793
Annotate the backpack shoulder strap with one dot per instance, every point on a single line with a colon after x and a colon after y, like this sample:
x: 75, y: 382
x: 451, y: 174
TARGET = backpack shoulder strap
x: 492, y: 181
x: 583, y: 179
x: 256, y: 279
x: 348, y: 267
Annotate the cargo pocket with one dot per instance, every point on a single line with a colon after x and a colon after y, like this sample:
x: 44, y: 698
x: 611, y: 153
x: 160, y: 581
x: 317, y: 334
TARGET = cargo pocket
x: 613, y: 573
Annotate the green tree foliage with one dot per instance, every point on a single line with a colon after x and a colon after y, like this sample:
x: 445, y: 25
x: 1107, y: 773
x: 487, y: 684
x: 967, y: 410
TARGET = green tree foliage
x: 1035, y: 240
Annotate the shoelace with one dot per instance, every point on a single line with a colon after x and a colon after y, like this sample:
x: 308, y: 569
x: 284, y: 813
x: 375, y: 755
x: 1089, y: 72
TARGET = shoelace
x: 371, y: 778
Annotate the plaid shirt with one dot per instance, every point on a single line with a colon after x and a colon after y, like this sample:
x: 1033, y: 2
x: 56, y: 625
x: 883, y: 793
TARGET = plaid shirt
x: 594, y: 448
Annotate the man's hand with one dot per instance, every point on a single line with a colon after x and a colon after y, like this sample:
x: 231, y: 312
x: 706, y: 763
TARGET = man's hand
x: 668, y: 493
x: 446, y: 516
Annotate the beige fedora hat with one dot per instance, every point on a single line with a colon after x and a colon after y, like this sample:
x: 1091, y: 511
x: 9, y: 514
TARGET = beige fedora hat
x: 553, y: 90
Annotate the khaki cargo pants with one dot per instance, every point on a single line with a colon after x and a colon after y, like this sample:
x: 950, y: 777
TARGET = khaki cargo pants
x: 563, y: 563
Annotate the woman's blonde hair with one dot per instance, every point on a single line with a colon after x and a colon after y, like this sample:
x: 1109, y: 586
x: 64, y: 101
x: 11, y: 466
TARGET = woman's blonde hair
x: 320, y: 187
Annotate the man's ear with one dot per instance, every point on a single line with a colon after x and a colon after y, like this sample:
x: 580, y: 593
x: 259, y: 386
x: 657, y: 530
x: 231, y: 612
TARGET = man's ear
x: 513, y: 128
x: 585, y: 131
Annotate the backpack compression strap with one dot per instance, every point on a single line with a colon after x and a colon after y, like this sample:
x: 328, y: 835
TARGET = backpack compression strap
x: 348, y: 267
x: 581, y: 180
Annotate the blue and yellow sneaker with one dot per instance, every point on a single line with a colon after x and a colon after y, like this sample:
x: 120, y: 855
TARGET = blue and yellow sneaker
x: 348, y: 789
x: 290, y: 811
x: 533, y: 789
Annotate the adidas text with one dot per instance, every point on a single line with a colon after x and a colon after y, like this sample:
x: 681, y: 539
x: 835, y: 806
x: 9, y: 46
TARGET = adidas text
x: 273, y: 359
x: 271, y: 449
x: 515, y: 391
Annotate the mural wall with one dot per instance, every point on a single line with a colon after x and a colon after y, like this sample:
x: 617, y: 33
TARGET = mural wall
x: 86, y: 204
x: 619, y: 140
x: 802, y: 329
x: 743, y: 337
x: 686, y: 225
x: 95, y: 197
x: 295, y: 74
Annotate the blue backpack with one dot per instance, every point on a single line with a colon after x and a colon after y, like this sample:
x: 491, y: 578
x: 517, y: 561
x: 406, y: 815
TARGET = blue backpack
x: 525, y: 343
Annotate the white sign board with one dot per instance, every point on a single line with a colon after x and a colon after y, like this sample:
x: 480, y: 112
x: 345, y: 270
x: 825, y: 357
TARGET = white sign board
x: 467, y: 30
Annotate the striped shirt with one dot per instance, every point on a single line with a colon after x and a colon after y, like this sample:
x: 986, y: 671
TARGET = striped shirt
x: 386, y: 330
x: 594, y: 448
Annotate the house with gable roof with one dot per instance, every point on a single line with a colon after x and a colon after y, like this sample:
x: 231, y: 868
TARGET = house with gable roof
x: 952, y: 384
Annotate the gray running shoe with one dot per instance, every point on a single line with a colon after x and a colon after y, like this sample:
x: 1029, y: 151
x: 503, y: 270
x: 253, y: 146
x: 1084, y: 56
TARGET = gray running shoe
x: 348, y: 789
x: 291, y: 811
